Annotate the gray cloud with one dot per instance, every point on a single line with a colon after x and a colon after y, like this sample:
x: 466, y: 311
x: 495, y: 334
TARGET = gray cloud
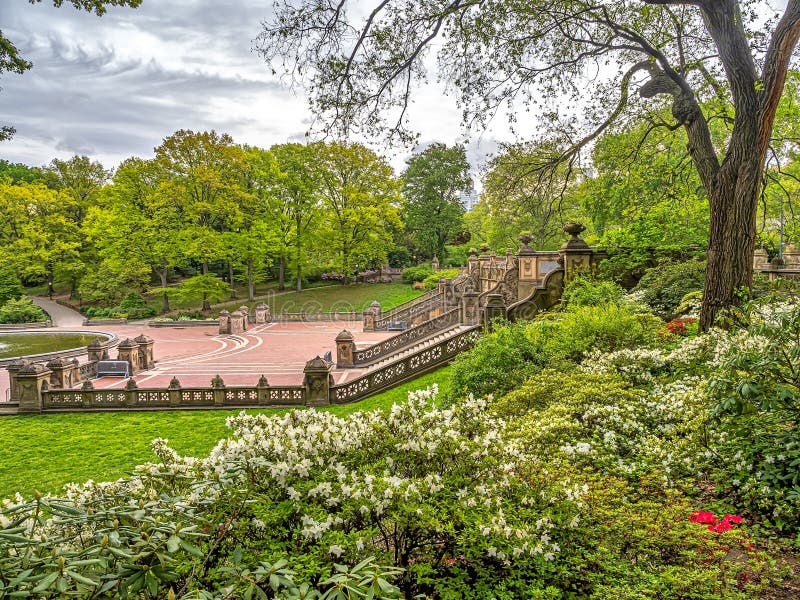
x: 115, y: 86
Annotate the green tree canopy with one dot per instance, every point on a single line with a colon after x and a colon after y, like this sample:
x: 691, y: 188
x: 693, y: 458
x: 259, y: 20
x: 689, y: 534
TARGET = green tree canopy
x: 362, y: 66
x: 432, y: 183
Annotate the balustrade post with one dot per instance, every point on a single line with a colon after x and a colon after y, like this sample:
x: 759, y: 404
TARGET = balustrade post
x: 174, y: 389
x: 145, y: 345
x: 97, y: 350
x: 13, y: 369
x: 131, y: 392
x: 262, y: 314
x: 575, y: 252
x: 224, y: 322
x: 262, y: 389
x: 219, y: 390
x: 128, y: 350
x: 32, y: 380
x: 371, y: 315
x: 318, y: 382
x: 345, y: 349
x: 469, y: 307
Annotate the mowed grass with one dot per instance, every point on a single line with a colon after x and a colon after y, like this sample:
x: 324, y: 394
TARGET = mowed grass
x: 338, y: 298
x: 44, y: 452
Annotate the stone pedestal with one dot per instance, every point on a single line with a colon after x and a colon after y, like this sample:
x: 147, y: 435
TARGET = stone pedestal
x: 174, y: 391
x: 13, y: 369
x: 469, y: 307
x: 31, y: 381
x: 97, y: 350
x: 317, y: 382
x: 760, y: 259
x: 495, y: 309
x: 145, y: 343
x: 345, y: 349
x: 575, y: 252
x: 63, y: 373
x: 224, y: 322
x: 371, y: 315
x: 792, y: 256
x: 129, y: 350
x: 237, y: 320
x: 218, y: 385
x: 263, y: 390
x: 435, y: 263
x: 262, y: 314
x: 246, y: 316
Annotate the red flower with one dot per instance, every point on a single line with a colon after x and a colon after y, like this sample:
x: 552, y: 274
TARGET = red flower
x: 735, y: 519
x: 703, y: 517
x: 720, y: 527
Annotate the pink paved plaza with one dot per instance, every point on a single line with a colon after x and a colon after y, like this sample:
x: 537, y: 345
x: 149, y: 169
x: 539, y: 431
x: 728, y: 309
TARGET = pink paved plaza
x: 194, y: 355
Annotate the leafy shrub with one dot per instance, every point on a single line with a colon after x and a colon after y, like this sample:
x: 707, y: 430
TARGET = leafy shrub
x: 666, y: 285
x: 605, y: 328
x: 417, y: 274
x: 21, y: 310
x: 586, y: 290
x: 10, y: 286
x: 432, y: 280
x: 499, y: 362
x: 132, y: 301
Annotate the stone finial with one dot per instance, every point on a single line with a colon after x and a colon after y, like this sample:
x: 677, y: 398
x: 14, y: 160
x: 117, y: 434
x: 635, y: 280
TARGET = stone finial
x: 32, y: 368
x: 96, y: 344
x: 345, y: 336
x: 217, y: 382
x: 59, y: 363
x: 224, y: 313
x: 131, y: 384
x: 473, y: 252
x: 87, y: 386
x: 262, y: 382
x: 316, y: 363
x: 574, y: 243
x: 485, y: 250
x: 174, y: 384
x: 142, y: 339
x: 128, y: 343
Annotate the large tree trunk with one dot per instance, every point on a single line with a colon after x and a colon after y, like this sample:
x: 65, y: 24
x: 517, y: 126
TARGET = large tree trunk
x: 731, y: 240
x: 251, y: 288
x: 162, y: 273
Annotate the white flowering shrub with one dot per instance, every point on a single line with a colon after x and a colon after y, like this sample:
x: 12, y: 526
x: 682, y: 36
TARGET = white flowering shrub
x: 438, y: 493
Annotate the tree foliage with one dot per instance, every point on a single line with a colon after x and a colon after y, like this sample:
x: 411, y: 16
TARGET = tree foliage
x: 652, y: 54
x: 432, y: 183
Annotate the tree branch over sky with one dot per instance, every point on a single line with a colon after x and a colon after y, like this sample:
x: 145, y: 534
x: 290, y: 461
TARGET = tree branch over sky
x: 12, y: 61
x: 560, y: 55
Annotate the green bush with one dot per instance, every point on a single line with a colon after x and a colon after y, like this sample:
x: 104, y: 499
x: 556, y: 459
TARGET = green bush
x: 432, y: 280
x: 586, y: 290
x: 10, y: 286
x: 21, y: 310
x: 499, y: 362
x: 417, y: 274
x: 665, y: 286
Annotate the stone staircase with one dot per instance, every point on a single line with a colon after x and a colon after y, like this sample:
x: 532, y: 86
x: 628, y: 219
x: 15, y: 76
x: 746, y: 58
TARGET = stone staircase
x: 433, y: 340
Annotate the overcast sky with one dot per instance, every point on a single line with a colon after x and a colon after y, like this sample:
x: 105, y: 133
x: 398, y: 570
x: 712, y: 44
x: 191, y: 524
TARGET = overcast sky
x: 115, y: 86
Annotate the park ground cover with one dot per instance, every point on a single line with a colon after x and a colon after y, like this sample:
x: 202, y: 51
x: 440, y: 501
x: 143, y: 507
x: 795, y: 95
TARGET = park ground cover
x: 598, y: 451
x: 45, y: 452
x: 338, y: 298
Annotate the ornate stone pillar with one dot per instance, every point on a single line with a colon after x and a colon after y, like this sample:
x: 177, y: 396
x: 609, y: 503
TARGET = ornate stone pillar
x: 13, y: 369
x: 145, y: 343
x: 262, y: 314
x: 469, y: 307
x: 575, y: 252
x: 345, y: 349
x: 760, y: 259
x: 219, y: 390
x: 62, y: 373
x: 318, y: 382
x: 435, y: 263
x: 263, y: 390
x: 174, y: 392
x: 237, y: 322
x: 224, y: 322
x: 129, y: 350
x: 246, y: 316
x: 31, y: 382
x: 371, y: 315
x: 97, y: 351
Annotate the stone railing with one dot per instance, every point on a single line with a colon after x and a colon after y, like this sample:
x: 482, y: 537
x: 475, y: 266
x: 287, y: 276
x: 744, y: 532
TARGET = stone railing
x: 413, y: 309
x: 288, y: 317
x: 406, y: 338
x: 189, y: 323
x: 16, y: 326
x: 175, y: 397
x: 408, y: 367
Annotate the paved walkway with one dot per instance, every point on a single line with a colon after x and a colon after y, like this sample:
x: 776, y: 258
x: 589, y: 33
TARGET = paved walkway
x: 60, y: 315
x: 196, y: 354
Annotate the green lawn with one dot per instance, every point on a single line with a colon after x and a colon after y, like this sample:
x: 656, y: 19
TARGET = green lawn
x: 43, y: 452
x: 356, y: 296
